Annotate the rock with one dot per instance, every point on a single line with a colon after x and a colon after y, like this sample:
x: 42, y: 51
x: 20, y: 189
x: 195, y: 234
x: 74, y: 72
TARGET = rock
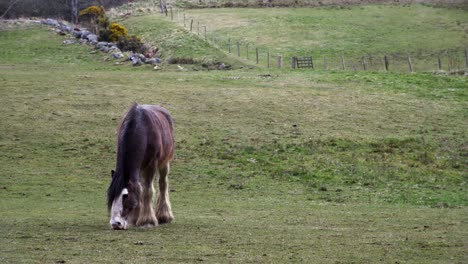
x: 114, y: 49
x: 76, y: 33
x: 117, y: 55
x: 136, y: 61
x: 65, y: 28
x: 51, y: 22
x: 101, y: 44
x: 84, y: 33
x: 105, y: 49
x: 149, y: 61
x: 153, y: 61
x: 68, y: 42
x: 93, y: 38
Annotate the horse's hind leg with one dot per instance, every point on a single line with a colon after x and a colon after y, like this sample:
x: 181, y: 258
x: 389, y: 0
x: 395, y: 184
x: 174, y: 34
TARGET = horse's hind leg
x: 147, y: 217
x: 163, y: 210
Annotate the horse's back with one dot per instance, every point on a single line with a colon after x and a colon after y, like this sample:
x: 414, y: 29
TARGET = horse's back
x: 160, y: 132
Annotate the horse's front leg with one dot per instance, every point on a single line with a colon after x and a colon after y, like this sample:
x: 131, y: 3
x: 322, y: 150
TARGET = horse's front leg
x: 146, y: 216
x: 164, y: 211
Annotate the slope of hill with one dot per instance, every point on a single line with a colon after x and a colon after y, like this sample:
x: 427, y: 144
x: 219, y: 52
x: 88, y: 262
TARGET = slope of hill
x: 372, y: 31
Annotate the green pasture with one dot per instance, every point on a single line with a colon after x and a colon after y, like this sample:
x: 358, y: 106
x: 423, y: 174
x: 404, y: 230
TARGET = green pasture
x: 423, y: 32
x: 271, y: 166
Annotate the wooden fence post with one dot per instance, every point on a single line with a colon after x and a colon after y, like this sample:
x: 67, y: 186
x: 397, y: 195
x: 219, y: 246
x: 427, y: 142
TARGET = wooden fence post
x: 466, y: 57
x: 247, y: 48
x: 185, y: 24
x: 311, y: 62
x: 205, y: 32
x: 386, y: 62
x: 213, y: 38
x: 280, y: 61
x: 198, y: 28
x: 343, y: 62
x: 191, y: 25
x: 439, y: 62
x: 363, y: 60
x: 229, y: 45
x: 256, y: 54
x: 268, y: 58
x: 410, y: 64
x: 294, y: 62
x: 172, y: 15
x: 238, y: 49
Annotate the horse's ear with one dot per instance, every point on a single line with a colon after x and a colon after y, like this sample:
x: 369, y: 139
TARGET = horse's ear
x: 112, y: 173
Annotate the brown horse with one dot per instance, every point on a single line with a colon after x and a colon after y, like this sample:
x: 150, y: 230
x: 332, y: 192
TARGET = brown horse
x: 145, y: 145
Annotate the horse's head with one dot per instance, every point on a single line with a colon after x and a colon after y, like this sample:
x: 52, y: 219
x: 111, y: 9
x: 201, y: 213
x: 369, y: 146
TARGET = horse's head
x: 124, y: 205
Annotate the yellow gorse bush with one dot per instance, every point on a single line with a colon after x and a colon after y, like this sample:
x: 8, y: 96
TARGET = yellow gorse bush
x: 117, y: 31
x: 93, y: 11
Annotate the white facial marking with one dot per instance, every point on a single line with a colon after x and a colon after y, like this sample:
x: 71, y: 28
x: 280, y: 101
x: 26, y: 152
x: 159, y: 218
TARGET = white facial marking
x: 117, y: 221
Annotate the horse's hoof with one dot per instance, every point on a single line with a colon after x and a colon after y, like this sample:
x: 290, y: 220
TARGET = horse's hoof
x: 147, y: 223
x: 165, y: 219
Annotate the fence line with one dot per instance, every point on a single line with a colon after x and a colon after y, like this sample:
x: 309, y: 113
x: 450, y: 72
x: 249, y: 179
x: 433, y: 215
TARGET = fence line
x: 448, y: 60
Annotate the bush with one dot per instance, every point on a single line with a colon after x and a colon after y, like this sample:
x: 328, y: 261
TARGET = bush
x: 117, y: 31
x: 95, y: 18
x: 113, y: 33
x: 176, y: 60
x: 131, y: 43
x: 92, y: 12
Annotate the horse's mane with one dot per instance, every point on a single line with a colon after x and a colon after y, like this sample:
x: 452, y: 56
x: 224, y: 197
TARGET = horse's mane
x: 121, y: 178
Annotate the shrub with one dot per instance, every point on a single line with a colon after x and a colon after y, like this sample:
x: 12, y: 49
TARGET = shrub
x: 117, y: 31
x: 113, y: 33
x: 98, y: 21
x: 176, y: 60
x: 92, y: 12
x: 95, y: 18
x: 131, y: 43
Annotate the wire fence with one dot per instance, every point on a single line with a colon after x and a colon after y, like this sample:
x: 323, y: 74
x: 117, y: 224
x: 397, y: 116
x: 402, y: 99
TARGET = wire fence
x: 443, y: 60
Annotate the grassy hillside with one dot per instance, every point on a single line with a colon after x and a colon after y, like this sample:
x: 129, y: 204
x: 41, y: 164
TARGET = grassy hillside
x: 296, y: 3
x: 174, y: 42
x: 271, y: 166
x: 354, y: 30
x: 396, y: 30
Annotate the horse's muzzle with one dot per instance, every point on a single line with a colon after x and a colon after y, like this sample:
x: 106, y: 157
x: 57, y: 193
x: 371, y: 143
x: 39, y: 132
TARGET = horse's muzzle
x: 118, y: 225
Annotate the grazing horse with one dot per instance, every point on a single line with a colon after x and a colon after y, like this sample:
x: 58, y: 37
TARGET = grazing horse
x: 145, y: 146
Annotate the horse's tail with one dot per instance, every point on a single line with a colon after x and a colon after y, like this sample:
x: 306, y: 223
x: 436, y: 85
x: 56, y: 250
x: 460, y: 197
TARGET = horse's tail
x: 129, y: 115
x: 120, y: 178
x: 131, y: 111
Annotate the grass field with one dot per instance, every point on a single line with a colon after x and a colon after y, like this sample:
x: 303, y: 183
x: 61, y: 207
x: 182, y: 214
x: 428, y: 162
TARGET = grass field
x: 424, y: 32
x: 271, y: 166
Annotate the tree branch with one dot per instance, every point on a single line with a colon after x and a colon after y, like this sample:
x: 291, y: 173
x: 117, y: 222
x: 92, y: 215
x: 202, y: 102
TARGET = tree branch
x: 9, y: 7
